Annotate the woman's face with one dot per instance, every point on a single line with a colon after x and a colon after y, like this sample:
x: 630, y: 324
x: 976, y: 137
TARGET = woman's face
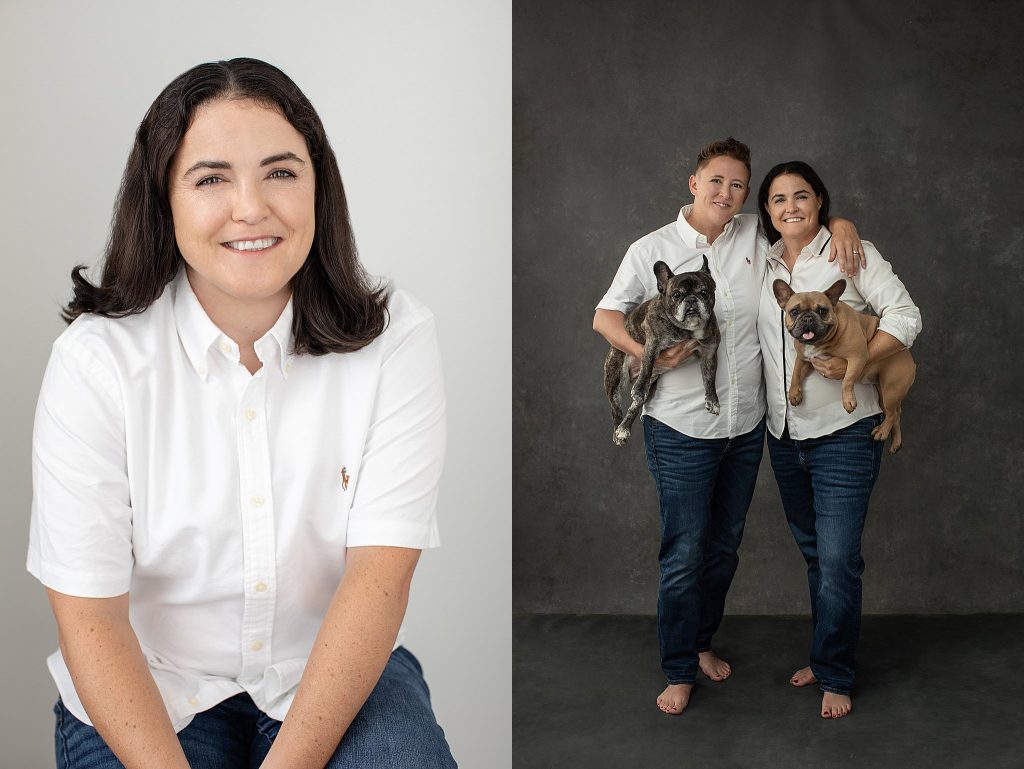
x: 794, y: 207
x: 719, y: 190
x: 241, y: 192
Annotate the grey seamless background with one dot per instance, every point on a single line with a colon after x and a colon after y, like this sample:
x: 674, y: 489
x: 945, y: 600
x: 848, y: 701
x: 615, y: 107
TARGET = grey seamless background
x: 911, y: 113
x: 415, y: 98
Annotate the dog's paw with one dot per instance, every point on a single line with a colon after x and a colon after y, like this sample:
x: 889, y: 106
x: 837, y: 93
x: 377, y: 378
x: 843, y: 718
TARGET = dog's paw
x: 881, y: 432
x: 849, y: 403
x: 796, y: 397
x: 621, y: 436
x: 712, y: 406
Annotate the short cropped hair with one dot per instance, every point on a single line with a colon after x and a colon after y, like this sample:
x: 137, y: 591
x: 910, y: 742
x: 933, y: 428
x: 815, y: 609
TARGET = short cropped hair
x: 336, y: 305
x: 725, y: 147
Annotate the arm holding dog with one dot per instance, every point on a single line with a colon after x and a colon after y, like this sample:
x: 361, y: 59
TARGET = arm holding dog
x: 880, y: 347
x: 611, y: 324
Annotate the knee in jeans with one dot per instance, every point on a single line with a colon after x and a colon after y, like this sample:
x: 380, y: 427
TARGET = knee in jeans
x: 841, y: 565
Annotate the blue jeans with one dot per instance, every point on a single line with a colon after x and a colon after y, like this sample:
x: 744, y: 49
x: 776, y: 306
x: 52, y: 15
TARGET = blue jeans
x: 825, y: 484
x: 704, y: 489
x: 395, y: 729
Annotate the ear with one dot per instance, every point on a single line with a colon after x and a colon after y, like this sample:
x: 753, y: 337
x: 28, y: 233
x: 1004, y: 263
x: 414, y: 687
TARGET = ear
x: 663, y: 274
x: 705, y: 267
x: 693, y: 184
x: 835, y: 291
x: 782, y: 292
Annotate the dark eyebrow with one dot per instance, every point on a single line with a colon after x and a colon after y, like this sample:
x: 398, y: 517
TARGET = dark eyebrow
x: 224, y: 165
x: 283, y: 156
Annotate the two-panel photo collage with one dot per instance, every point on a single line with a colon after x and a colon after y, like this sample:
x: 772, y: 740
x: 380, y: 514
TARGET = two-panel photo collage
x: 564, y: 384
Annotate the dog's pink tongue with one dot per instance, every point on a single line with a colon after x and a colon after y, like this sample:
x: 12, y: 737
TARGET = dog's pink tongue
x: 808, y: 335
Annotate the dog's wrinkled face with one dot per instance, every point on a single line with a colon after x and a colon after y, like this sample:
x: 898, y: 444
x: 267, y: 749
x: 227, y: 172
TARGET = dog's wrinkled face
x: 689, y: 297
x: 809, y: 316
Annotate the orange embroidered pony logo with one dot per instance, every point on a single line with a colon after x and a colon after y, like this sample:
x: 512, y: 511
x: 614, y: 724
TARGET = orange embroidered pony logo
x: 344, y: 480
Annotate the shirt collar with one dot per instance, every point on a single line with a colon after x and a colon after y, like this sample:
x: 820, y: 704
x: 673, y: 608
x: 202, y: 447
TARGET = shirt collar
x: 690, y: 236
x: 813, y: 249
x: 198, y: 333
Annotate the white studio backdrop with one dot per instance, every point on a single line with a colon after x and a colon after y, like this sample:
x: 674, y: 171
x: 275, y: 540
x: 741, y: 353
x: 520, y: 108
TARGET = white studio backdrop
x: 416, y: 99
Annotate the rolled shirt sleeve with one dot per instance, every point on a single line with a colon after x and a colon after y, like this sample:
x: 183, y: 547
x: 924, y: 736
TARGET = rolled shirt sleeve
x: 80, y: 536
x: 886, y: 295
x: 395, y: 500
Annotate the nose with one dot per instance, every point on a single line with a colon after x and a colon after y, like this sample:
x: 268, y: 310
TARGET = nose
x: 250, y: 206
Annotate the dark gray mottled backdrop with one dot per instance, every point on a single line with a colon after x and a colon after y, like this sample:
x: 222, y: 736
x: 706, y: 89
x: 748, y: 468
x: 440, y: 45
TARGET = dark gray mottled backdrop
x: 912, y: 115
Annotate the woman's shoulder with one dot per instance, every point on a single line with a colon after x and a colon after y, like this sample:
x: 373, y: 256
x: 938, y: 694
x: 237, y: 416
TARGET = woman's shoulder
x: 112, y: 338
x: 405, y: 312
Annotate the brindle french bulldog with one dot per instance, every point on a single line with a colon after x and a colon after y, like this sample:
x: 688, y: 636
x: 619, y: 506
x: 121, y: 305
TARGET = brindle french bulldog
x: 683, y: 310
x: 821, y: 324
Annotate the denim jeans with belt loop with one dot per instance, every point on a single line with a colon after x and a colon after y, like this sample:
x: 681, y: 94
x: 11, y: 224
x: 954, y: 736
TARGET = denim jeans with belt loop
x: 825, y: 484
x: 704, y: 489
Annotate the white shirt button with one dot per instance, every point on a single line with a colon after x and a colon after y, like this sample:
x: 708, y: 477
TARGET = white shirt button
x: 256, y: 646
x: 260, y: 587
x: 250, y: 414
x: 225, y: 347
x: 257, y: 501
x: 193, y: 700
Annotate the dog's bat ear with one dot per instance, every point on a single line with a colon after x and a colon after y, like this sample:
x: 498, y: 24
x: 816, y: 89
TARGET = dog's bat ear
x: 705, y: 267
x: 835, y: 291
x: 782, y: 292
x: 663, y: 274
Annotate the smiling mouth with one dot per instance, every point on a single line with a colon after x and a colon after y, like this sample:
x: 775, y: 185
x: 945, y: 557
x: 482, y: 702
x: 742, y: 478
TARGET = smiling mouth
x: 252, y: 246
x: 791, y: 219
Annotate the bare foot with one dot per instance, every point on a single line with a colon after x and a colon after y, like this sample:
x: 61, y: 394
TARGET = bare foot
x: 714, y: 668
x: 803, y: 677
x: 675, y: 698
x: 835, y: 705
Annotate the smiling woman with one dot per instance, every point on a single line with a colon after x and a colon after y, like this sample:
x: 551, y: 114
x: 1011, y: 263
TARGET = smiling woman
x: 236, y: 458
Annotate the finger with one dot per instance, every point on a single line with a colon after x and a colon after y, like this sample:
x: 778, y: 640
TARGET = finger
x: 863, y: 257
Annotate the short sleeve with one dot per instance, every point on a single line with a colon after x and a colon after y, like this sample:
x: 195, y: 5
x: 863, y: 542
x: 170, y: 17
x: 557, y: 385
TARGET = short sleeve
x: 395, y: 500
x: 80, y: 537
x: 633, y: 282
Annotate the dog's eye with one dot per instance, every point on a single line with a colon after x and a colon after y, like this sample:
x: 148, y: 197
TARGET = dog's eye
x: 822, y: 312
x: 677, y: 295
x: 794, y: 312
x: 703, y: 293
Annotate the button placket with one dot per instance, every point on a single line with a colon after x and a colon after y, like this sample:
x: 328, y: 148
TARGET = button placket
x: 259, y: 568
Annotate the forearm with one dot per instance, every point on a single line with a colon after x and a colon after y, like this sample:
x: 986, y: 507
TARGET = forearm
x: 611, y: 324
x: 882, y: 345
x: 114, y: 684
x: 348, y: 657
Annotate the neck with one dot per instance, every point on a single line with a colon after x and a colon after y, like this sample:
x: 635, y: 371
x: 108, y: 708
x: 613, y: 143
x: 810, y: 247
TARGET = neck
x: 243, y: 320
x: 705, y: 228
x: 794, y: 245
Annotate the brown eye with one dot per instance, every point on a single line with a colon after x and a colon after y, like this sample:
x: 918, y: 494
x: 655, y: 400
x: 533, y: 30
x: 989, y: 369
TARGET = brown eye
x: 677, y: 294
x: 822, y: 312
x: 793, y: 313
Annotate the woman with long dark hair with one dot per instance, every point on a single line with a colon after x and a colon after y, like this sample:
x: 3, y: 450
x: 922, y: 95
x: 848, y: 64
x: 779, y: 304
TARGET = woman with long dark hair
x: 236, y: 456
x: 825, y: 459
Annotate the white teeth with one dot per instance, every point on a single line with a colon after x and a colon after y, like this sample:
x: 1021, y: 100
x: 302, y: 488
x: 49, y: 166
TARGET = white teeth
x: 793, y: 219
x: 252, y: 245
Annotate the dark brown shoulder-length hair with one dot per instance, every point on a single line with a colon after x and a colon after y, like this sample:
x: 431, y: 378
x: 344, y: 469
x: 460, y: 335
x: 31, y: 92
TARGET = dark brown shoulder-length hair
x: 337, y: 307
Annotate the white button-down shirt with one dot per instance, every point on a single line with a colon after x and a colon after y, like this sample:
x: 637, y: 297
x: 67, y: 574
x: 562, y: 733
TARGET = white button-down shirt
x: 223, y: 502
x: 736, y: 261
x: 875, y: 289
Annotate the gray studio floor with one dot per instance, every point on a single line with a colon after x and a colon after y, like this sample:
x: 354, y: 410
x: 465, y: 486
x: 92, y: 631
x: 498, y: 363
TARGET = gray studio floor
x: 932, y: 691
